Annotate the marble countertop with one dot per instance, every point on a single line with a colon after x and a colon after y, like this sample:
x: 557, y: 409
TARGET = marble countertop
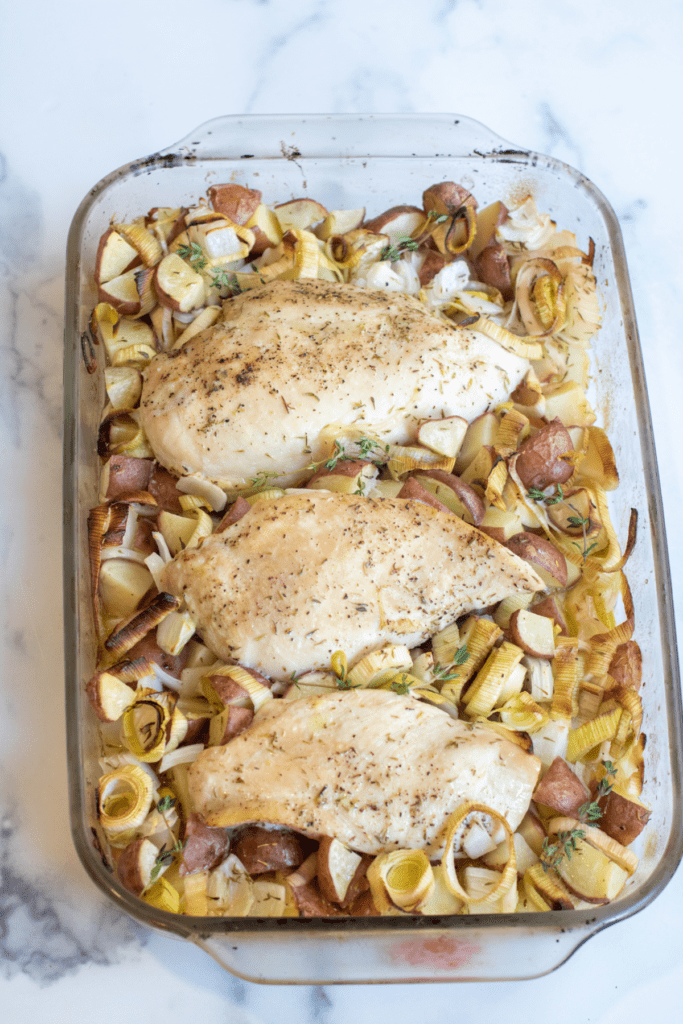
x: 85, y: 88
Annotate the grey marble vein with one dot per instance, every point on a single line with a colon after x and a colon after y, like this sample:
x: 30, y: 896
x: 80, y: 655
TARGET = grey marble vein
x: 39, y: 936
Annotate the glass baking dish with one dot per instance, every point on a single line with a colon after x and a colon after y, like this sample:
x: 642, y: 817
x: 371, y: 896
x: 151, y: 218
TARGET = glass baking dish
x: 348, y: 161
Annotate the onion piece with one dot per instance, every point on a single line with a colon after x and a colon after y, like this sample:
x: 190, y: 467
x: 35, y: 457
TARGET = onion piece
x: 508, y: 876
x: 401, y: 880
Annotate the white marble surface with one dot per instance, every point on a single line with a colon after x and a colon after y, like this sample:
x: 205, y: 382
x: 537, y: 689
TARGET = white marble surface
x: 87, y: 87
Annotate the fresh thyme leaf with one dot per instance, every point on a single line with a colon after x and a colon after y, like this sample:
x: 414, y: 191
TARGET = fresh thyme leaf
x: 394, y: 252
x: 194, y: 253
x: 166, y: 803
x: 547, y: 499
x: 165, y: 859
x: 224, y: 279
x: 262, y: 478
x: 552, y: 854
x: 445, y: 672
x: 401, y: 685
x: 365, y: 446
x: 344, y: 684
x: 437, y: 218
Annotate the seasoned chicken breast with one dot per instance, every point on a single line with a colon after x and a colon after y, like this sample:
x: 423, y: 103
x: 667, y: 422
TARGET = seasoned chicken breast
x: 252, y: 394
x: 314, y: 572
x: 374, y: 769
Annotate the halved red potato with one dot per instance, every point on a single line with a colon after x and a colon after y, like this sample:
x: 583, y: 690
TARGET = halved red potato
x: 447, y: 197
x: 544, y: 557
x: 488, y: 220
x: 162, y: 487
x: 623, y: 818
x: 539, y: 460
x: 501, y: 525
x: 234, y: 201
x: 337, y: 866
x: 114, y: 257
x: 561, y: 789
x: 493, y: 268
x: 626, y: 666
x: 533, y: 633
x: 413, y: 490
x: 397, y: 222
x: 550, y: 607
x: 299, y: 214
x: 205, y: 847
x: 349, y: 476
x: 431, y: 265
x: 122, y: 293
x: 178, y: 285
x: 266, y: 228
x: 444, y: 436
x: 339, y: 222
x: 457, y: 496
x: 135, y: 865
x: 267, y: 849
x: 123, y: 474
x: 480, y: 433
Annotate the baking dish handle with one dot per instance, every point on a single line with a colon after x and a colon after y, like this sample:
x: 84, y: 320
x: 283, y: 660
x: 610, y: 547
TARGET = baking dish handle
x: 320, y: 136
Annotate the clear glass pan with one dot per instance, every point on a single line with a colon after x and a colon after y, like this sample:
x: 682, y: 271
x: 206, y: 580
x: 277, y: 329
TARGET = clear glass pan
x: 348, y: 161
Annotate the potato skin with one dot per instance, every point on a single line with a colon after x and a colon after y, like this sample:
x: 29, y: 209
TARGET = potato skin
x: 414, y: 490
x: 234, y: 201
x: 239, y: 508
x: 493, y: 268
x: 467, y: 495
x: 550, y: 608
x: 626, y: 666
x: 622, y: 819
x: 127, y: 474
x: 310, y: 901
x: 205, y: 847
x: 561, y: 790
x: 540, y: 552
x: 162, y: 487
x: 263, y: 849
x: 538, y: 461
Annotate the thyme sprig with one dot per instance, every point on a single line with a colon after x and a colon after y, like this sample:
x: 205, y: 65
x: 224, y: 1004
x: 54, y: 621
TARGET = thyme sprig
x: 165, y: 859
x: 444, y: 673
x: 566, y: 842
x: 194, y: 254
x: 365, y: 446
x: 394, y: 252
x: 546, y: 499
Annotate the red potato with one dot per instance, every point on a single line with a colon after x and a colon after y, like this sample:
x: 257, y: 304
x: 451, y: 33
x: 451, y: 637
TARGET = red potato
x: 337, y: 867
x: 109, y: 696
x: 488, y: 220
x: 122, y: 293
x: 162, y: 487
x: 114, y: 257
x: 299, y: 214
x: 550, y: 607
x: 178, y: 285
x: 235, y: 202
x: 364, y: 906
x: 447, y: 197
x: 267, y: 849
x: 493, y: 268
x: 397, y: 222
x: 539, y: 461
x: 135, y: 865
x: 500, y: 525
x: 310, y: 902
x: 339, y: 222
x: 205, y: 847
x: 239, y: 508
x: 230, y: 723
x: 544, y: 557
x: 433, y: 262
x: 443, y: 436
x: 626, y: 666
x: 266, y: 229
x: 532, y: 831
x: 481, y: 433
x: 533, y: 633
x: 457, y: 496
x: 414, y: 491
x: 359, y: 883
x: 349, y: 476
x: 561, y: 790
x: 622, y: 819
x: 148, y: 648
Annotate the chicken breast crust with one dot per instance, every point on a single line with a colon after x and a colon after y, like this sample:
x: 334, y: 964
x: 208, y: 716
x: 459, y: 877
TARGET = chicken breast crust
x: 252, y: 394
x: 313, y: 572
x: 374, y: 769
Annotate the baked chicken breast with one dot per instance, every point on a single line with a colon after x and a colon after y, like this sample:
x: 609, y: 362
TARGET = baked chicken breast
x: 252, y: 394
x: 377, y: 770
x: 313, y: 572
